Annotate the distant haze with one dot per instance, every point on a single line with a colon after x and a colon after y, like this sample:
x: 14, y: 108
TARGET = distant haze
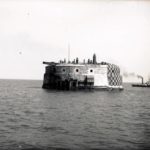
x: 35, y: 31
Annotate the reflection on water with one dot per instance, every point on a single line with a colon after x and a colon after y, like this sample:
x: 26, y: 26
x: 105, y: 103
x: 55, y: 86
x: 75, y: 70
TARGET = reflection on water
x: 32, y: 118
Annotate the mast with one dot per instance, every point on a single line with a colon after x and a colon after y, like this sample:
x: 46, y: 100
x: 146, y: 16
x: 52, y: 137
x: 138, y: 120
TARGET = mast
x: 68, y: 52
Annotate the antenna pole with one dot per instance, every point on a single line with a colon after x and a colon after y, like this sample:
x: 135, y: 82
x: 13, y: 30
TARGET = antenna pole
x: 68, y: 52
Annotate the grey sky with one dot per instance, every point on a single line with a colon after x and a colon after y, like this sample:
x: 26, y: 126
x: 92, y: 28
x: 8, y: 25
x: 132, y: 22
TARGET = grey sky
x: 35, y: 31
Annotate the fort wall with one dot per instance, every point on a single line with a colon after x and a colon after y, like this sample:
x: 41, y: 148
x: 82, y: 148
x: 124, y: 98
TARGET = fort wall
x: 82, y: 75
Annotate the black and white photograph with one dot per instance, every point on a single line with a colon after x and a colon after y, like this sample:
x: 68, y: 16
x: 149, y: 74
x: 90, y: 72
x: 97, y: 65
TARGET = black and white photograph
x: 74, y: 75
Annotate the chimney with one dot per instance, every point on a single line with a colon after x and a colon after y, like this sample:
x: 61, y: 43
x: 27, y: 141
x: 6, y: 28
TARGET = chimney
x: 94, y: 59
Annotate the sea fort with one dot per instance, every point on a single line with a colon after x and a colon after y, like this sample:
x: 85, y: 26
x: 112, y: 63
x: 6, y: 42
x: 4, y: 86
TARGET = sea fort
x: 86, y: 75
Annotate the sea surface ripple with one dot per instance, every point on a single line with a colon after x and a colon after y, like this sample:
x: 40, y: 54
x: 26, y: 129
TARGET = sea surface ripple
x: 32, y: 118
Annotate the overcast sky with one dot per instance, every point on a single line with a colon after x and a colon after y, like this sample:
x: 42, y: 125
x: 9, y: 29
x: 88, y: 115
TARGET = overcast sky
x: 35, y: 31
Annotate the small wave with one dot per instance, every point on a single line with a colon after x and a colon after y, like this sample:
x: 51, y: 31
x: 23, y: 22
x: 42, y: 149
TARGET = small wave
x: 32, y: 149
x: 52, y: 128
x: 50, y: 148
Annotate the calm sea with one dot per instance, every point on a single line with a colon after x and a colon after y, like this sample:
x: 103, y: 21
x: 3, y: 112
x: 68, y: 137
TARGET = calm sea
x: 34, y: 118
